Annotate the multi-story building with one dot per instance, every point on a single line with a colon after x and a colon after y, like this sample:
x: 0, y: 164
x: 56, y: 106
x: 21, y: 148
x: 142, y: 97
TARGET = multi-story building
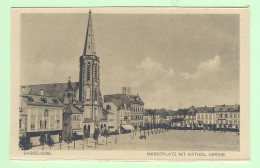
x: 154, y: 114
x: 190, y: 117
x: 163, y: 115
x: 72, y: 120
x: 110, y: 121
x: 205, y: 115
x: 227, y: 116
x: 137, y: 110
x: 22, y: 117
x: 148, y: 119
x: 170, y: 115
x: 39, y: 115
x: 118, y: 108
x: 179, y: 118
x: 129, y: 108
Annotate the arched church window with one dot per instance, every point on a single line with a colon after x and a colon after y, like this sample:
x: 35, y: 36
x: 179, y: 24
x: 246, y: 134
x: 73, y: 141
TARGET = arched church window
x: 87, y: 93
x: 88, y: 71
x: 95, y: 71
x: 95, y: 94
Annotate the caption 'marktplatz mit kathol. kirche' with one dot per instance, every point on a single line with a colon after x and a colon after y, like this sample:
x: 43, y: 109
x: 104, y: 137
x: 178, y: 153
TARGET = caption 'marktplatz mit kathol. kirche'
x: 63, y: 111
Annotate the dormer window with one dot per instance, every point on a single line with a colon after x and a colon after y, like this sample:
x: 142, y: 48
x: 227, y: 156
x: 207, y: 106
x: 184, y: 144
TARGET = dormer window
x: 31, y: 99
x: 55, y: 101
x: 44, y: 100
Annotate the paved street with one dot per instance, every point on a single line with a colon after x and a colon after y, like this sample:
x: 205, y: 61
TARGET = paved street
x: 166, y: 141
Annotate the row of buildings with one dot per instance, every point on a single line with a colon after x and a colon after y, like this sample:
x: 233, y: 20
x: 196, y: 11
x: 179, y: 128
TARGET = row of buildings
x: 60, y: 109
x: 222, y: 116
x: 41, y: 113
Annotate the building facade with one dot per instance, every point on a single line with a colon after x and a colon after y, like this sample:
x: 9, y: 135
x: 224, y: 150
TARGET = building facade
x: 227, y: 116
x: 205, y: 116
x: 148, y: 118
x: 190, y: 118
x: 72, y: 120
x: 129, y: 108
x: 40, y: 115
x: 112, y: 114
x: 179, y: 118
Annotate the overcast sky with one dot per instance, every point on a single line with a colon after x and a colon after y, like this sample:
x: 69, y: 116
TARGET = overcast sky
x: 169, y: 60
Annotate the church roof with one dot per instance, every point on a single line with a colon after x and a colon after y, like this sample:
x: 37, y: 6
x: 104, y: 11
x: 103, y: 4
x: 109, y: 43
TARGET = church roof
x: 72, y: 109
x: 56, y: 90
x: 35, y: 100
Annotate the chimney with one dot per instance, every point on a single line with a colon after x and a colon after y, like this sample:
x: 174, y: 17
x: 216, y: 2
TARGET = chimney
x: 129, y: 90
x: 41, y: 92
x: 124, y: 90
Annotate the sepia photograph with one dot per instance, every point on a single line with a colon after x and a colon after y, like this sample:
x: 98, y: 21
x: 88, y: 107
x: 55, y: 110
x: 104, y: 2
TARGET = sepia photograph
x: 130, y: 84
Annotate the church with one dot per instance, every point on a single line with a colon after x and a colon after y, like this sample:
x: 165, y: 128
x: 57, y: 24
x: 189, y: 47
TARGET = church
x: 82, y: 99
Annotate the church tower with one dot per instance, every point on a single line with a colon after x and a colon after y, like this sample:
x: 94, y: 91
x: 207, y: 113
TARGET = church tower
x: 89, y: 78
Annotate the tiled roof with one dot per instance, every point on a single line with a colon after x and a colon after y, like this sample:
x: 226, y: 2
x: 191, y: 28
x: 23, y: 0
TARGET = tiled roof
x: 35, y: 100
x: 107, y: 111
x: 56, y: 90
x: 235, y: 108
x: 135, y: 99
x: 120, y: 99
x: 164, y: 112
x: 161, y: 112
x: 171, y: 112
x: 205, y: 109
x: 181, y: 112
x: 72, y: 109
x: 150, y: 111
x: 192, y: 109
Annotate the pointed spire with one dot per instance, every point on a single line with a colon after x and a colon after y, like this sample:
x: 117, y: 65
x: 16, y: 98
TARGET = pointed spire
x: 89, y: 47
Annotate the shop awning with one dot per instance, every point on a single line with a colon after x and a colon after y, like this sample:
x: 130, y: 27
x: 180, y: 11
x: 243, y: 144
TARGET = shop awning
x: 127, y: 127
x: 80, y: 133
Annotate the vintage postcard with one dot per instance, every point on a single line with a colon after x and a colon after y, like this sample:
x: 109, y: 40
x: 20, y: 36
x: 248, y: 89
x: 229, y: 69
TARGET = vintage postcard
x: 130, y: 84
